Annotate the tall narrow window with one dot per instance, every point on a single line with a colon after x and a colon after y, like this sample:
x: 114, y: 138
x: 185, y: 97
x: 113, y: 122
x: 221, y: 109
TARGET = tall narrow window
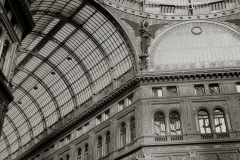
x: 132, y: 130
x: 79, y: 156
x: 4, y: 54
x: 67, y: 157
x: 99, y: 119
x: 107, y: 114
x: 121, y: 105
x: 157, y: 92
x: 86, y: 152
x: 123, y: 134
x: 68, y: 139
x: 108, y: 140
x: 129, y: 100
x: 99, y: 147
x: 204, y: 122
x: 79, y: 132
x: 160, y: 126
x: 175, y: 123
x: 219, y: 121
x: 61, y: 143
x: 86, y: 128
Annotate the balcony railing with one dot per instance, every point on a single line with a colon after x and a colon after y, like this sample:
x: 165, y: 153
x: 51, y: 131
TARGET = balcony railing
x: 160, y: 139
x: 222, y: 135
x: 206, y: 136
x: 176, y: 7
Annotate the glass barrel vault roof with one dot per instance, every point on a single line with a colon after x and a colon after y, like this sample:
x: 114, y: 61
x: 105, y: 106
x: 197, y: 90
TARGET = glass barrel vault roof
x: 73, y: 52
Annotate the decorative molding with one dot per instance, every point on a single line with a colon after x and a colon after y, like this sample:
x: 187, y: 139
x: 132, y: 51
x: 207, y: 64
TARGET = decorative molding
x: 113, y: 6
x: 166, y: 107
x: 196, y: 30
x: 209, y: 105
x: 146, y: 124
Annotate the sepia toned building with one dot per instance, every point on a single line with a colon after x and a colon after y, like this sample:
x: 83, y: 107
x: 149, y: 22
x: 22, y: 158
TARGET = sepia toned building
x: 120, y: 80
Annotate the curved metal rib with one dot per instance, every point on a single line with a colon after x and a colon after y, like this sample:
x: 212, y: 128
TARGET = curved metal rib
x: 35, y: 103
x: 7, y: 143
x: 25, y: 117
x: 15, y: 130
x: 44, y: 86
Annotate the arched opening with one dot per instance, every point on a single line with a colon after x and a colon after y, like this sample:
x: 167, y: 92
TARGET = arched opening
x: 175, y: 123
x: 219, y: 121
x: 79, y: 155
x: 204, y: 122
x: 132, y: 129
x: 99, y: 147
x: 123, y: 134
x: 159, y: 124
x: 108, y: 140
x: 86, y: 152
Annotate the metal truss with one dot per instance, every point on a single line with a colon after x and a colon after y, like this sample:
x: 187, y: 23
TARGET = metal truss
x: 7, y: 143
x: 19, y: 140
x: 44, y: 86
x: 78, y: 26
x: 35, y: 103
x: 25, y: 117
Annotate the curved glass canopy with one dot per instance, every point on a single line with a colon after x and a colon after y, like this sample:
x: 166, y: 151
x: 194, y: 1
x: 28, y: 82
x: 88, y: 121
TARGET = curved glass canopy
x: 73, y: 52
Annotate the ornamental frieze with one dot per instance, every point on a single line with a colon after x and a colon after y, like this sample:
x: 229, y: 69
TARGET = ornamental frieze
x: 210, y: 105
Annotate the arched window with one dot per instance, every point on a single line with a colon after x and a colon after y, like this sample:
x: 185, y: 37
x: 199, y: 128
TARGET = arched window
x: 79, y: 156
x: 219, y: 121
x: 99, y: 147
x: 108, y: 140
x: 86, y: 152
x: 160, y: 125
x: 132, y: 130
x: 123, y: 134
x: 67, y: 157
x: 4, y: 54
x: 204, y: 122
x: 175, y: 123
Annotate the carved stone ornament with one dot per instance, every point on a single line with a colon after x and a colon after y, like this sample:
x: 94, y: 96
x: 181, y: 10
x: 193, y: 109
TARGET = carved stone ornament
x: 143, y: 63
x: 192, y: 155
x: 196, y: 30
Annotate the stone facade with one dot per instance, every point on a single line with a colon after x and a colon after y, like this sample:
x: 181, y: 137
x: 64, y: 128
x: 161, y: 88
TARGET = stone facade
x: 128, y: 114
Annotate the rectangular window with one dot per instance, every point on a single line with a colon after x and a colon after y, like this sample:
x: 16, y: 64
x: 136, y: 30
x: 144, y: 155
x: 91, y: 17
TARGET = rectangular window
x: 129, y: 100
x: 99, y: 119
x: 68, y: 139
x: 172, y: 91
x: 79, y: 132
x: 52, y: 149
x: 86, y: 128
x: 121, y: 105
x: 199, y: 89
x: 61, y: 143
x: 238, y: 87
x: 214, y: 88
x: 157, y: 92
x: 107, y: 114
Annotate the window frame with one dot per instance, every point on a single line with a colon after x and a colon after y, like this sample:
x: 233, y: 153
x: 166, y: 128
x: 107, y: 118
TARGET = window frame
x: 224, y: 119
x: 123, y: 134
x: 162, y: 124
x: 171, y: 125
x: 204, y: 117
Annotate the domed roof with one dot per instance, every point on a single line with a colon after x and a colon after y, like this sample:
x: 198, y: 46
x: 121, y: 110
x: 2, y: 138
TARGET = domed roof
x: 75, y: 50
